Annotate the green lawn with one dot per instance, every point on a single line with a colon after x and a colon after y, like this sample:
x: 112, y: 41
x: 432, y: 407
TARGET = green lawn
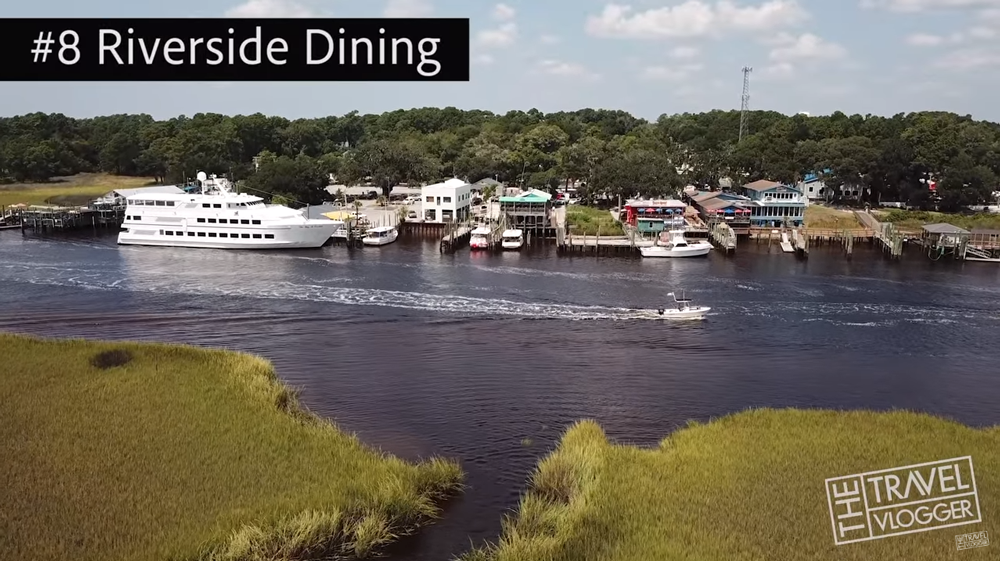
x: 745, y: 487
x: 915, y: 220
x: 69, y: 191
x: 185, y: 453
x: 589, y: 221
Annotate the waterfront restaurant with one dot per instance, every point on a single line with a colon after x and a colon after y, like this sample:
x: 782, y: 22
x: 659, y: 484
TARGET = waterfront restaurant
x: 654, y: 215
x: 775, y: 203
x: 718, y: 206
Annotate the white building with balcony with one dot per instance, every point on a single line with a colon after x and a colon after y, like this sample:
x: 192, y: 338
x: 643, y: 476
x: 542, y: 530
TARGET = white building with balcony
x: 450, y: 201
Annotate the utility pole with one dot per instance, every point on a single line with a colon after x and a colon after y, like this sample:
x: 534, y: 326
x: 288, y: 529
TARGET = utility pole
x: 745, y: 103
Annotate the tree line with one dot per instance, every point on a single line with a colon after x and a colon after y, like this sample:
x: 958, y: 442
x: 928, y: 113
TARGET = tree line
x: 611, y: 152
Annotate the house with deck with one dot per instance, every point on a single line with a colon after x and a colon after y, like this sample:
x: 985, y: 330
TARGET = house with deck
x: 774, y: 204
x: 528, y: 210
x: 654, y: 215
x: 720, y: 206
x: 815, y: 188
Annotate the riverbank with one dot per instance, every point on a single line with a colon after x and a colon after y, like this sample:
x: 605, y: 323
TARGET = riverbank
x: 75, y: 190
x: 748, y: 486
x: 150, y: 451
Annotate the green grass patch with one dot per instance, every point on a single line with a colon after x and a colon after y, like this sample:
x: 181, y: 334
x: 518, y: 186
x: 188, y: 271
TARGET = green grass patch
x: 915, y: 220
x: 830, y: 218
x: 149, y: 452
x: 590, y: 221
x: 749, y: 486
x: 77, y: 190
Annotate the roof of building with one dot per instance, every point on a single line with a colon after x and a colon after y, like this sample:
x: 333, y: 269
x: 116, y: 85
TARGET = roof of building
x: 668, y: 203
x: 529, y: 196
x: 762, y: 185
x: 705, y: 196
x: 453, y: 182
x: 716, y: 204
x: 944, y: 228
x: 144, y: 190
x: 487, y: 181
x: 985, y: 232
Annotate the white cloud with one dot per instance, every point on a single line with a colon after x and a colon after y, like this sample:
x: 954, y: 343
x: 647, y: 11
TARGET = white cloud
x: 549, y: 39
x: 566, y: 69
x: 693, y: 18
x: 500, y: 37
x: 925, y: 40
x: 807, y: 47
x: 503, y: 12
x: 483, y: 60
x: 969, y: 59
x: 684, y: 52
x: 408, y: 9
x: 679, y: 73
x: 270, y: 9
x: 914, y: 6
x: 780, y: 70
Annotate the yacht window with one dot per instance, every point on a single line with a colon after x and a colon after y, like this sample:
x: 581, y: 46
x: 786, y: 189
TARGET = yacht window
x: 256, y: 236
x: 269, y: 236
x: 211, y: 221
x: 223, y: 235
x: 170, y: 203
x: 201, y: 234
x: 201, y: 220
x: 190, y: 233
x: 255, y: 221
x: 169, y: 233
x: 206, y: 205
x: 160, y: 203
x: 244, y: 221
x: 245, y: 236
x: 211, y: 234
x: 217, y: 205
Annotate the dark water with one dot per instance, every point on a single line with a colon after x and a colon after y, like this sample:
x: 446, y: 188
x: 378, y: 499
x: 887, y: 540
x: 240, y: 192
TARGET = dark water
x: 466, y: 355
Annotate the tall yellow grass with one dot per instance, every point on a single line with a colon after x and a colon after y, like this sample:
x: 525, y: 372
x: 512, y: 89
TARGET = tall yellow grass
x: 746, y: 487
x: 143, y: 451
x: 70, y: 191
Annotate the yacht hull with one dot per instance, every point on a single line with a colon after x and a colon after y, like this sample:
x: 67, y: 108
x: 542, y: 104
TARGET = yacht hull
x: 688, y: 313
x: 305, y: 236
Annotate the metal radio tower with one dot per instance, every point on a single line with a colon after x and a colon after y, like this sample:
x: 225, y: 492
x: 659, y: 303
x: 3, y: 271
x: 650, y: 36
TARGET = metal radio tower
x: 745, y: 105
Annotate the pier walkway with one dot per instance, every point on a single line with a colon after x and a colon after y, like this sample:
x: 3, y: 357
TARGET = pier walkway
x: 885, y: 234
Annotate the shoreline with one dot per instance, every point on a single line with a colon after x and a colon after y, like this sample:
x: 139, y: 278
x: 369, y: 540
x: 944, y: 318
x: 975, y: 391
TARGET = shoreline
x: 165, y: 450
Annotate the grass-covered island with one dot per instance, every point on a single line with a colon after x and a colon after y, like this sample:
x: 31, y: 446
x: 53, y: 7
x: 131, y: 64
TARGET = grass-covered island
x: 749, y: 486
x: 147, y: 451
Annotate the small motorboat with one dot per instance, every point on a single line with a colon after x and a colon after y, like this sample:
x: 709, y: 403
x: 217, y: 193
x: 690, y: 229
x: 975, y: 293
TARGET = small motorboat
x: 512, y: 239
x: 684, y: 309
x: 480, y: 238
x: 382, y: 235
x: 678, y: 246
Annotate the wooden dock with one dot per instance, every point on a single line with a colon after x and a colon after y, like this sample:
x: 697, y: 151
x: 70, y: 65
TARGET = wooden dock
x: 52, y: 218
x: 457, y: 237
x: 723, y: 236
x: 885, y: 234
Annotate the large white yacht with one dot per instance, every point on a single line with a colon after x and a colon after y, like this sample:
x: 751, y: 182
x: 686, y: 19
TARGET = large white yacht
x: 220, y: 219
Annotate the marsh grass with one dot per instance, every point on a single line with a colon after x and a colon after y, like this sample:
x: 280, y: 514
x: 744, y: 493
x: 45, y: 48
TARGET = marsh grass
x: 589, y: 221
x: 68, y: 191
x: 830, y: 218
x: 914, y: 220
x: 144, y: 451
x: 749, y: 486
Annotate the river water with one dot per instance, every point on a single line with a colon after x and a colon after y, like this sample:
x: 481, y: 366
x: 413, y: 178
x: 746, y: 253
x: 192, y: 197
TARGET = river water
x: 488, y: 358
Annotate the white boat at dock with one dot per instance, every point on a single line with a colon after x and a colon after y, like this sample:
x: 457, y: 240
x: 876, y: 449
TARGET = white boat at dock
x: 684, y: 310
x: 512, y: 239
x: 382, y: 235
x: 678, y: 246
x: 217, y: 218
x: 480, y: 238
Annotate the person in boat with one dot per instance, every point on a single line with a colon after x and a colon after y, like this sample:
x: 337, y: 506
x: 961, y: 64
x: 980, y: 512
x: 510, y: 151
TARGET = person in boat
x: 661, y: 311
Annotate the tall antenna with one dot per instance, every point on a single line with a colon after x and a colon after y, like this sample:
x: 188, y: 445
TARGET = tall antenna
x: 745, y: 105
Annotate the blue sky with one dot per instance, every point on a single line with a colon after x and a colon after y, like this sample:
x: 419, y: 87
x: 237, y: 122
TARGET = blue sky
x: 645, y: 56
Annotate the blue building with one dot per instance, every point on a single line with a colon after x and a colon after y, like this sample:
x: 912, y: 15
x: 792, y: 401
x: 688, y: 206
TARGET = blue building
x: 773, y: 204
